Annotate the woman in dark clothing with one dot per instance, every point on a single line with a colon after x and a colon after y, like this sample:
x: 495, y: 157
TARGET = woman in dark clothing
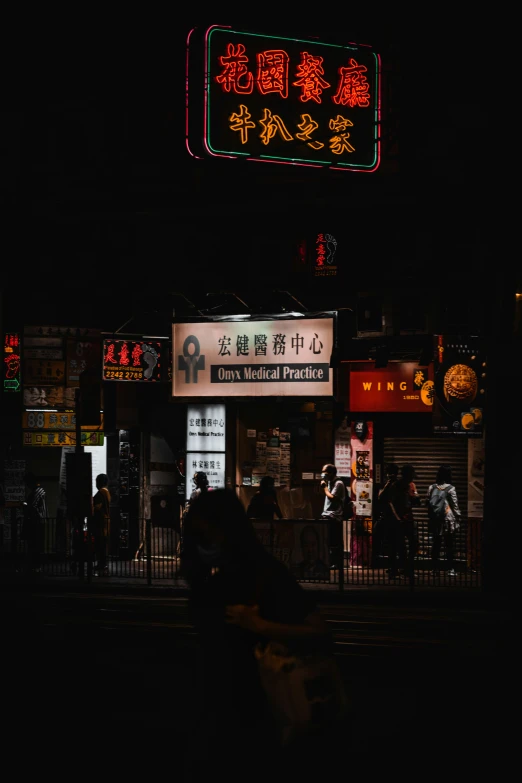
x: 35, y: 513
x: 263, y: 504
x: 240, y: 595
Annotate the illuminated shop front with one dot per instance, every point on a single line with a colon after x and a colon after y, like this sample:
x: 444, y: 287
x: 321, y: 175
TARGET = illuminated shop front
x: 425, y: 415
x: 258, y: 395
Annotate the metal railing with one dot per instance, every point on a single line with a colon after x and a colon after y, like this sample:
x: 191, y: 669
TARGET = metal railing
x: 64, y: 552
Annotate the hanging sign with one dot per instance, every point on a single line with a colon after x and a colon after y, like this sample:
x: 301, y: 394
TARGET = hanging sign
x: 286, y: 357
x: 62, y: 439
x: 300, y: 101
x: 132, y: 360
x: 11, y: 364
x: 460, y: 386
x: 47, y: 420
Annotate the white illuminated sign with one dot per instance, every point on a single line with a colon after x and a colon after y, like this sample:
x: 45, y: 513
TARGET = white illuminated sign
x: 206, y: 427
x: 212, y: 464
x: 253, y: 358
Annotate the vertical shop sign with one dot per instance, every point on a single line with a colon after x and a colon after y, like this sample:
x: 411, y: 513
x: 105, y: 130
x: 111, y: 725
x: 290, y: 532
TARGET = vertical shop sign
x: 206, y: 427
x: 362, y: 467
x: 476, y: 461
x: 460, y: 386
x: 11, y: 372
x: 342, y: 449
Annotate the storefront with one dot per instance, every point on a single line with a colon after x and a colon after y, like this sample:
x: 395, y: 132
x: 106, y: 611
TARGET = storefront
x: 259, y: 400
x: 397, y: 417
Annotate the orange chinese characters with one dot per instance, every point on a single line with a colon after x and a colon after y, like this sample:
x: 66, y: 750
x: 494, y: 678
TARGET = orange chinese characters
x: 272, y: 72
x: 340, y: 143
x: 353, y: 86
x: 310, y: 78
x: 235, y: 75
x: 307, y: 127
x: 271, y: 124
x: 241, y: 122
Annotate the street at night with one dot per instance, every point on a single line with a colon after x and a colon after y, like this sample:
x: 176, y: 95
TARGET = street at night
x: 409, y: 663
x: 252, y: 301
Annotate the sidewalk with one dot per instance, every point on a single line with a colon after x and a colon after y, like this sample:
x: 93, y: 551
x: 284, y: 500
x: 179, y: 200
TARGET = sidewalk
x: 393, y: 594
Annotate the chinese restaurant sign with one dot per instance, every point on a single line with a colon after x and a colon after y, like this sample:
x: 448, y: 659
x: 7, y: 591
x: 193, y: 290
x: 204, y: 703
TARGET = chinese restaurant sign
x: 460, y: 386
x: 11, y: 363
x: 130, y: 360
x: 401, y: 387
x: 253, y: 358
x: 285, y: 100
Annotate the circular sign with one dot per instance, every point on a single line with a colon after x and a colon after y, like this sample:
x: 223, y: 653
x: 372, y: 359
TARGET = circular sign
x: 460, y: 384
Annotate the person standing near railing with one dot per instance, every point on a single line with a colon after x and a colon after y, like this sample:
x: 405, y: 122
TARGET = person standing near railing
x: 333, y: 509
x: 101, y: 506
x: 35, y: 513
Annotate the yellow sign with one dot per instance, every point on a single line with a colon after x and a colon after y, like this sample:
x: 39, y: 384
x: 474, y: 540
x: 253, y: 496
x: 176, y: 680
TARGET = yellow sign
x: 62, y: 438
x: 44, y: 371
x: 47, y: 420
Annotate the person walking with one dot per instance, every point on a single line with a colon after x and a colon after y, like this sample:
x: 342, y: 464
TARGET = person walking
x: 35, y: 513
x: 101, y: 504
x: 384, y: 530
x: 401, y: 497
x: 443, y: 519
x: 263, y: 504
x: 333, y: 509
x: 410, y: 500
x: 240, y: 596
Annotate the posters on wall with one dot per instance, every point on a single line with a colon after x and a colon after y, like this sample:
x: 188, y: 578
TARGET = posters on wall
x: 343, y: 449
x: 362, y: 466
x: 272, y: 458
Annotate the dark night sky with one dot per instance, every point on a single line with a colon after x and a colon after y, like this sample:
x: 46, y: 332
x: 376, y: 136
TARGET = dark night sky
x: 105, y: 209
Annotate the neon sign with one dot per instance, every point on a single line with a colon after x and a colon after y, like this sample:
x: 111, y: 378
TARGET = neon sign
x: 129, y: 360
x: 324, y: 262
x: 284, y: 100
x: 11, y: 364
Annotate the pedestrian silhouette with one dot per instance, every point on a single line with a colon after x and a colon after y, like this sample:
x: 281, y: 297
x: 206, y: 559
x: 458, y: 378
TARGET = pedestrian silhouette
x: 35, y: 513
x: 101, y: 503
x: 443, y: 519
x: 240, y: 595
x: 263, y: 504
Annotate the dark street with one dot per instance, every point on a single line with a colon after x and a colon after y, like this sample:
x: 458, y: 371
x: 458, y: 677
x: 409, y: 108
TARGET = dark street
x: 131, y: 662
